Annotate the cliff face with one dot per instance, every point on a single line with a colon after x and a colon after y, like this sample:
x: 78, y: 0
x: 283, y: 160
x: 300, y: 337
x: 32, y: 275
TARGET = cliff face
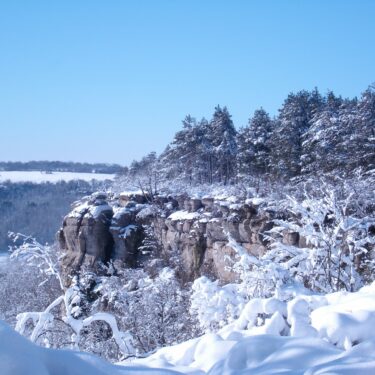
x: 194, y: 230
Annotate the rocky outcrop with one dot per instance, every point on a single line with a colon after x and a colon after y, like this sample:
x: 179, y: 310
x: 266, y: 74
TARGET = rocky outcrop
x: 201, y: 237
x: 195, y: 231
x: 127, y: 236
x: 85, y: 234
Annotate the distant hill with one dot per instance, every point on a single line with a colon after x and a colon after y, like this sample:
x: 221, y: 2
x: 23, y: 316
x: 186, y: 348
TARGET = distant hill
x: 60, y: 166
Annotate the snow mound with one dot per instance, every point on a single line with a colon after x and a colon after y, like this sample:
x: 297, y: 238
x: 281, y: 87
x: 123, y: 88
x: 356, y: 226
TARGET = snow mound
x: 18, y: 356
x: 267, y: 354
x: 308, y: 334
x: 305, y: 334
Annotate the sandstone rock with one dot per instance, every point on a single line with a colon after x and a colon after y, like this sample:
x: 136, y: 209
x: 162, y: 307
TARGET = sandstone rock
x: 127, y: 241
x: 139, y: 198
x: 231, y: 228
x: 85, y: 235
x: 94, y: 232
x: 217, y: 262
x: 195, y: 204
x: 250, y: 211
x: 208, y: 204
x: 244, y: 230
x: 193, y: 250
x: 254, y: 249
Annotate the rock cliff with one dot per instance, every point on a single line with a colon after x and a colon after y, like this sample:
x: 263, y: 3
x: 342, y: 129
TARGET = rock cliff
x: 194, y: 230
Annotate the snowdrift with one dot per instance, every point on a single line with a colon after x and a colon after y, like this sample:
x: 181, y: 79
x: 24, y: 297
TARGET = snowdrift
x: 18, y: 356
x: 307, y: 334
x: 303, y: 334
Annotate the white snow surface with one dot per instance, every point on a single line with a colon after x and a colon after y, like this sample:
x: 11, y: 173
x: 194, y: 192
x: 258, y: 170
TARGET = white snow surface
x: 39, y: 177
x: 306, y: 334
x: 89, y: 210
x: 183, y: 215
x: 18, y: 356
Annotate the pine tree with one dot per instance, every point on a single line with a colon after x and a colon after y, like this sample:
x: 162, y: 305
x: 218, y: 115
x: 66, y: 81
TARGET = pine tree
x: 293, y: 121
x: 222, y: 137
x: 254, y: 144
x: 185, y: 157
x: 320, y: 140
x: 365, y: 130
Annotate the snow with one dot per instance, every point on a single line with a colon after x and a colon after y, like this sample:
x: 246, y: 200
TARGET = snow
x: 255, y: 201
x: 184, y: 215
x: 354, y: 311
x: 89, y: 210
x: 119, y: 211
x: 127, y: 231
x: 296, y: 333
x: 96, y: 211
x: 130, y: 193
x: 39, y: 177
x: 146, y: 211
x: 18, y: 356
x: 305, y: 334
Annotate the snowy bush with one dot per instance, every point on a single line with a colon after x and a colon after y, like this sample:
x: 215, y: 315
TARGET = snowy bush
x: 215, y: 305
x: 63, y: 322
x: 334, y: 242
x: 154, y: 310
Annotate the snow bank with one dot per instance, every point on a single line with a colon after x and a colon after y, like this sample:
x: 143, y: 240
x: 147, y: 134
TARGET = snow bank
x: 337, y: 332
x: 268, y: 354
x: 18, y: 356
x: 306, y: 334
x: 347, y: 318
x: 264, y: 354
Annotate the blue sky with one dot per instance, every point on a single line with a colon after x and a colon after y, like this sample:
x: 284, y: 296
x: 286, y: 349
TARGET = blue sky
x: 111, y: 80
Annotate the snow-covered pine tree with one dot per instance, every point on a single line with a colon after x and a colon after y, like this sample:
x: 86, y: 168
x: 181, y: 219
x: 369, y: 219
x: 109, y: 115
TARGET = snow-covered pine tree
x: 186, y: 156
x: 365, y: 130
x: 320, y: 140
x: 293, y: 121
x: 222, y: 137
x: 253, y: 156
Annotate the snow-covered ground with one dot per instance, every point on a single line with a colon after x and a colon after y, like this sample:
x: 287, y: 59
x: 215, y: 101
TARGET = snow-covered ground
x: 39, y: 177
x: 309, y: 334
x: 18, y: 356
x: 294, y: 334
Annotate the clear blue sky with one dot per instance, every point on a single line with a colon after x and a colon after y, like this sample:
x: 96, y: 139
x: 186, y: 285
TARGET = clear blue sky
x: 88, y: 80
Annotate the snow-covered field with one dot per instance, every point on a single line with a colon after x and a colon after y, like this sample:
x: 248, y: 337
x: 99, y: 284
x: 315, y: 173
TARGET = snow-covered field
x: 39, y: 177
x: 4, y: 256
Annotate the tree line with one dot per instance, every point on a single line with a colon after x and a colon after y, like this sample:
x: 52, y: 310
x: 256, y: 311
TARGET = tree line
x: 60, y: 166
x: 312, y: 133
